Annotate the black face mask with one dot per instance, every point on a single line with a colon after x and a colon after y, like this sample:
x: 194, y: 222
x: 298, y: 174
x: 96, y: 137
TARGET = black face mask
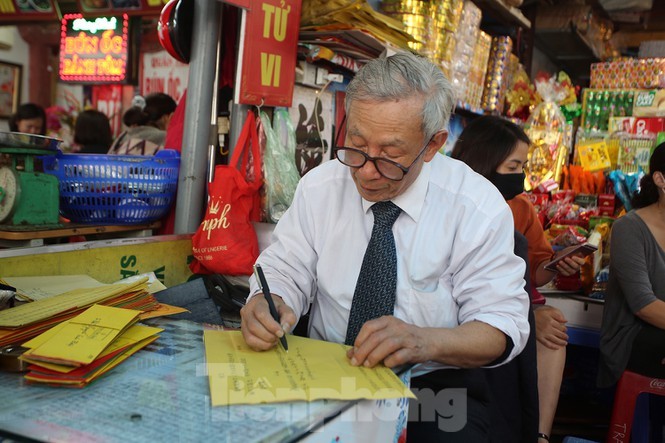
x: 510, y: 185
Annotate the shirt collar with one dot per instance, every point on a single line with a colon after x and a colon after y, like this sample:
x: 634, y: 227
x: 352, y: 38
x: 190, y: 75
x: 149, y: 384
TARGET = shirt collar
x: 412, y: 200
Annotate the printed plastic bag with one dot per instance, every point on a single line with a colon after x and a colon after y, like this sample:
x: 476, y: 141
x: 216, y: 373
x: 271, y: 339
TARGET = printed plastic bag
x: 280, y: 171
x: 226, y: 242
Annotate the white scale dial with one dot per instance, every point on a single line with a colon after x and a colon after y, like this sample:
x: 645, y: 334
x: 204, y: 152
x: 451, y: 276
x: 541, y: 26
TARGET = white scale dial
x: 9, y: 192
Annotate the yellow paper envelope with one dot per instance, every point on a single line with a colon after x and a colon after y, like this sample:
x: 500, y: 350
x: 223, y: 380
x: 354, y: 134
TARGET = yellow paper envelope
x: 97, y: 372
x: 162, y: 310
x: 310, y: 370
x: 132, y: 335
x: 81, y: 339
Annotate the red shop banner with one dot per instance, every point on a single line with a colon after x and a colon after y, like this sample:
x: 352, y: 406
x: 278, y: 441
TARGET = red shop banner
x: 108, y: 99
x: 267, y: 73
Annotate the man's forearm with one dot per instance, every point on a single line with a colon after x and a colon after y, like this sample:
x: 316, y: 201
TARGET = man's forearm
x: 470, y: 345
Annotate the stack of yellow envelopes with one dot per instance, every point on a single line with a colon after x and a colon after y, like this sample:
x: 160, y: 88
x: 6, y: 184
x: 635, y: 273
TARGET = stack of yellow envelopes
x: 31, y: 319
x: 79, y: 350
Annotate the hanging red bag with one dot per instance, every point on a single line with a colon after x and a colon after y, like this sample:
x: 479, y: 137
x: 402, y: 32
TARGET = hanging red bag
x: 225, y: 242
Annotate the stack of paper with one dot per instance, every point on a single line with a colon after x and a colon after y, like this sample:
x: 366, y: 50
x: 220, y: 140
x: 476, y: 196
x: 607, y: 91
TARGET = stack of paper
x: 81, y: 349
x: 38, y: 287
x: 31, y: 319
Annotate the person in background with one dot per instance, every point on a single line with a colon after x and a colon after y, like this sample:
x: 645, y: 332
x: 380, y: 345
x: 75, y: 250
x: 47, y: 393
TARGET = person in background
x: 146, y: 123
x: 632, y: 334
x: 29, y: 118
x: 450, y: 293
x: 497, y: 149
x: 92, y: 132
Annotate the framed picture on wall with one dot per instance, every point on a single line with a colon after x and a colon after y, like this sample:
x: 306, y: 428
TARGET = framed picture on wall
x: 10, y: 88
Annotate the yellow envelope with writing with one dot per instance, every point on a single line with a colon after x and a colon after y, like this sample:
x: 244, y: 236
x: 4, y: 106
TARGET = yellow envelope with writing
x: 310, y: 370
x: 80, y: 340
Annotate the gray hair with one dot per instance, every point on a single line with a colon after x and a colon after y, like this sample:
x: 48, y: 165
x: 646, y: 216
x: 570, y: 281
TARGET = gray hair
x: 400, y: 76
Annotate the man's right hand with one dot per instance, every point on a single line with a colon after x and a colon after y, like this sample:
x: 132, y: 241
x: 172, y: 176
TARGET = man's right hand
x: 260, y: 331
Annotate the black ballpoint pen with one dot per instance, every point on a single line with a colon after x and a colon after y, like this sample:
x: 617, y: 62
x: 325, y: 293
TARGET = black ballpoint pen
x: 263, y: 284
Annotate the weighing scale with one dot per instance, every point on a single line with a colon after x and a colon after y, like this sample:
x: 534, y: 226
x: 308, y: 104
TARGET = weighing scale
x: 27, y: 197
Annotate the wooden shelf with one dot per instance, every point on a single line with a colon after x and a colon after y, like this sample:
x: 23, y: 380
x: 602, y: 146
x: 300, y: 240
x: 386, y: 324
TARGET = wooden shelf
x: 506, y: 14
x: 11, y: 236
x: 568, y: 49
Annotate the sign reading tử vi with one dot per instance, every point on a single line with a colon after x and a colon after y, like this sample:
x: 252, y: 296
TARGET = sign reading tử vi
x: 267, y: 74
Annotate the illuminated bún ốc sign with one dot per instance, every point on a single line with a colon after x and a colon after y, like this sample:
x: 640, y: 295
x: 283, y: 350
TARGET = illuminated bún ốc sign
x: 94, y: 50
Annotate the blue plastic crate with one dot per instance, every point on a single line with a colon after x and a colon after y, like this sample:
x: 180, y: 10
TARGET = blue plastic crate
x: 115, y: 189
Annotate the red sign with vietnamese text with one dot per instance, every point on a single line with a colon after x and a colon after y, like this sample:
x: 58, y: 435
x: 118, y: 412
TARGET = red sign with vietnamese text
x: 268, y: 70
x: 94, y: 50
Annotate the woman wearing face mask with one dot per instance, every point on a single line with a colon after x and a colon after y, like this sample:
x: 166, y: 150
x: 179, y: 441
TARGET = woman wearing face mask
x: 497, y: 149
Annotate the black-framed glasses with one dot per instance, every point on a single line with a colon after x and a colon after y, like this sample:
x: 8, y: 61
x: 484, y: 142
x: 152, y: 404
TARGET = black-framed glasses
x: 355, y: 158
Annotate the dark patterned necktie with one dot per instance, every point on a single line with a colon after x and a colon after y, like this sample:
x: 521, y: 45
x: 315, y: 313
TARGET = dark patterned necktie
x: 375, y: 290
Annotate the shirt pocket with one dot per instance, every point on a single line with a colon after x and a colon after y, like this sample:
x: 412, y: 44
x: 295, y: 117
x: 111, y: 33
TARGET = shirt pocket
x: 431, y: 305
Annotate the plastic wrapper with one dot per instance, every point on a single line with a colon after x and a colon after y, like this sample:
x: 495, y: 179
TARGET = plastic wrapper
x: 566, y: 213
x: 280, y: 172
x: 568, y: 236
x: 625, y: 186
x: 600, y: 284
x: 545, y: 127
x: 322, y: 53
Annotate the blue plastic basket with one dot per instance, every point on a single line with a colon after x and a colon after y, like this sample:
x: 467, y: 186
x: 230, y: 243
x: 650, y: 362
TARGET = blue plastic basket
x: 115, y: 189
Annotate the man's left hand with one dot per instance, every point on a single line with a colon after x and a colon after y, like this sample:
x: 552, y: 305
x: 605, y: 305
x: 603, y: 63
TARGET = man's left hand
x: 391, y: 341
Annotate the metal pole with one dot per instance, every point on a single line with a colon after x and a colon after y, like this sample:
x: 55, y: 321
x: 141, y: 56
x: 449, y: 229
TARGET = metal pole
x: 238, y: 111
x: 238, y: 114
x: 193, y: 163
x: 214, y: 139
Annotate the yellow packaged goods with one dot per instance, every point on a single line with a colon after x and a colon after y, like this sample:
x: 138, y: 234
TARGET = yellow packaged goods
x: 594, y: 156
x: 476, y: 78
x: 495, y: 80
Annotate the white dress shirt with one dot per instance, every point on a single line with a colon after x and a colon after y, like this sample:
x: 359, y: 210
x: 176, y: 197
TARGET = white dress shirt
x: 454, y: 241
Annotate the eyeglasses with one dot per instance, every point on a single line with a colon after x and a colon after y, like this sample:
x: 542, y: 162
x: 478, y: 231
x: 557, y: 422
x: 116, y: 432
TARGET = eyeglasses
x: 389, y: 169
